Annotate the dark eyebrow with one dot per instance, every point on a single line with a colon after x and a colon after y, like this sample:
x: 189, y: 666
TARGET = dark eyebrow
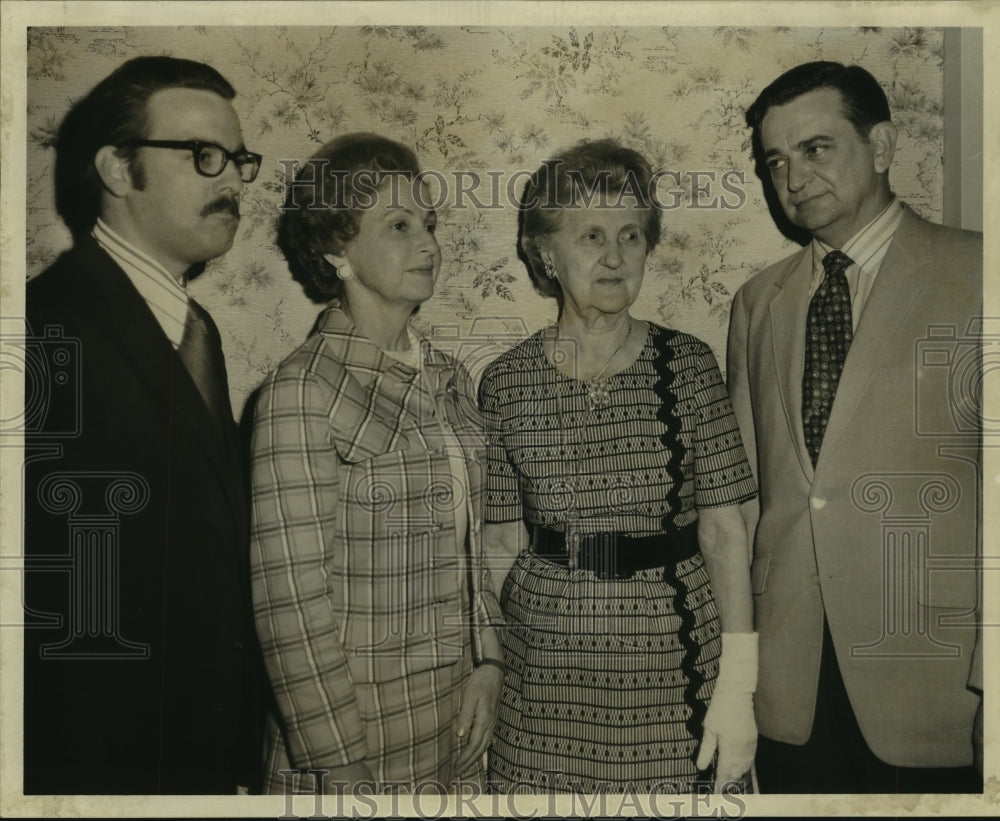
x: 818, y: 138
x: 395, y: 210
x: 801, y: 144
x: 242, y: 147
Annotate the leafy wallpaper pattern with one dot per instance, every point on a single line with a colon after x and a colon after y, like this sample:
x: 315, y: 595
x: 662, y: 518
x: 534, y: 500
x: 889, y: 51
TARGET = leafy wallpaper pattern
x: 494, y: 101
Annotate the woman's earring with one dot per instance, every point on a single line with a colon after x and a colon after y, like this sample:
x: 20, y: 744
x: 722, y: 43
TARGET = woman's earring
x: 344, y: 271
x: 550, y: 269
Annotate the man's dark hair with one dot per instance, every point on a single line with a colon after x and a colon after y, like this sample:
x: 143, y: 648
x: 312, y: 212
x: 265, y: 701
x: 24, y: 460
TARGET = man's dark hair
x: 323, y: 207
x: 864, y: 101
x: 112, y: 113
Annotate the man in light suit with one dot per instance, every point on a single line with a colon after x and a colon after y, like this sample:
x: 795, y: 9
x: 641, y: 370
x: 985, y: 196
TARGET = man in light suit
x: 853, y: 376
x: 141, y: 672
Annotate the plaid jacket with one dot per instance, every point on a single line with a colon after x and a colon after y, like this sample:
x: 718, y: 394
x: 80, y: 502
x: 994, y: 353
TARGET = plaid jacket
x: 358, y: 575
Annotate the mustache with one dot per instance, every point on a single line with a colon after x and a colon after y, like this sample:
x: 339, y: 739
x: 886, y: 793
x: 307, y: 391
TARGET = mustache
x: 230, y: 205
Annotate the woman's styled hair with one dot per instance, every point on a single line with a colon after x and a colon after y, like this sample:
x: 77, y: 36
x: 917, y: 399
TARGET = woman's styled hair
x: 114, y: 112
x: 324, y: 203
x: 592, y: 171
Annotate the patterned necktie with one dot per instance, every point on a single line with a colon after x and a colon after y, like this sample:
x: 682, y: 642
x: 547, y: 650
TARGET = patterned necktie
x: 828, y: 337
x: 202, y: 356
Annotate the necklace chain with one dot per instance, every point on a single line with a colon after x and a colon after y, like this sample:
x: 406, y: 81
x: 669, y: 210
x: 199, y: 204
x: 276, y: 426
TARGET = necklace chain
x: 597, y: 397
x: 598, y: 394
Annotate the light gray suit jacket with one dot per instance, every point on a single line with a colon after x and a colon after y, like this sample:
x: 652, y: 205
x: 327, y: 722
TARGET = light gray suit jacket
x: 883, y: 535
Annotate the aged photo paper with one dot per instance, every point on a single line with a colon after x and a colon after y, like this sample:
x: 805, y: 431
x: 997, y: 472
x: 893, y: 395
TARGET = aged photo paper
x: 482, y: 91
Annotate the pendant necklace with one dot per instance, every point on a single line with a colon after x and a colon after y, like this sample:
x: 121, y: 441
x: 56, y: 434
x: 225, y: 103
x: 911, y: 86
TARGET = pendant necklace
x: 598, y: 394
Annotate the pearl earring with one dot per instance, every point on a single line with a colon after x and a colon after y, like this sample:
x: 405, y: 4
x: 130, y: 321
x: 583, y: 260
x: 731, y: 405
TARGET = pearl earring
x: 345, y: 271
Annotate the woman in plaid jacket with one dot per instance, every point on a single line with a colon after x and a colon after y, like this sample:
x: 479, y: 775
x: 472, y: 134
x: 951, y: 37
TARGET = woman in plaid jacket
x: 371, y: 596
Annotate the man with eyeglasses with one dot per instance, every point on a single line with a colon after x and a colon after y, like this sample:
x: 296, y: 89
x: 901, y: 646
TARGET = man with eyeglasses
x: 141, y: 669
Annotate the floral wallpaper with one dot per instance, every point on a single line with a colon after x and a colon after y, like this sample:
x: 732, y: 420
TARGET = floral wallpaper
x: 494, y: 102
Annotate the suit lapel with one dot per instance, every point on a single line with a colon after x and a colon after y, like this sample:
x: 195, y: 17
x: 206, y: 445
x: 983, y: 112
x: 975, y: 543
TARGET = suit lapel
x: 133, y: 329
x: 788, y: 329
x: 897, y: 287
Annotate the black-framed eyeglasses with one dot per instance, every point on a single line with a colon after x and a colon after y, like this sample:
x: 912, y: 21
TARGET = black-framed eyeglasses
x: 210, y: 159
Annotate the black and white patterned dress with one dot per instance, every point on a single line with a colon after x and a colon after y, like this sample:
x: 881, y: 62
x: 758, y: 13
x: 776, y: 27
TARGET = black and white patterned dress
x: 608, y: 680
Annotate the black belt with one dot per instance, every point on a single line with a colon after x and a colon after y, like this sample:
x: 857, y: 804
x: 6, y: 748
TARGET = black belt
x: 611, y: 554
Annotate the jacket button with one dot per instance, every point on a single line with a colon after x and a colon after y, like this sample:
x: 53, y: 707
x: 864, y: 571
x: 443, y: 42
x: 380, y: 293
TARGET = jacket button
x: 238, y: 644
x: 818, y: 503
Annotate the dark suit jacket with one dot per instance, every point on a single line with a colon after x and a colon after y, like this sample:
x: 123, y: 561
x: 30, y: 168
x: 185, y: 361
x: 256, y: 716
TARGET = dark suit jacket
x: 141, y: 667
x: 881, y: 538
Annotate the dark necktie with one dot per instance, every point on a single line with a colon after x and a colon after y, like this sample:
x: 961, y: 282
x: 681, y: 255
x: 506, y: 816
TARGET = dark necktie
x: 202, y: 356
x: 828, y: 338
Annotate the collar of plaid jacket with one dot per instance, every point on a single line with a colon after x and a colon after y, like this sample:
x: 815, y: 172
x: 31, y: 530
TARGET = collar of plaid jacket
x: 348, y: 344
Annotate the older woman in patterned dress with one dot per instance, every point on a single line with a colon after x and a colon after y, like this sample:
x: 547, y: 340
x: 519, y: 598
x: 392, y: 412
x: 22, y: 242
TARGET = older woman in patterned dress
x: 371, y: 596
x: 615, y: 477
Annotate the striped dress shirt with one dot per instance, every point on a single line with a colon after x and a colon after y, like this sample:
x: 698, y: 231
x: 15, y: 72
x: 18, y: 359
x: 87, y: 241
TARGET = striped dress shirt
x: 867, y: 249
x: 166, y: 296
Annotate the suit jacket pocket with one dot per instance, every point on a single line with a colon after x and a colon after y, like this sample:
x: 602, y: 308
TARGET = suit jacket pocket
x: 758, y: 574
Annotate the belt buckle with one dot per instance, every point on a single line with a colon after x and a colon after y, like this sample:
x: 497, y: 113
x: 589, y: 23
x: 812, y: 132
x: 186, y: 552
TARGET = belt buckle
x: 598, y: 530
x: 606, y: 550
x: 574, y: 536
